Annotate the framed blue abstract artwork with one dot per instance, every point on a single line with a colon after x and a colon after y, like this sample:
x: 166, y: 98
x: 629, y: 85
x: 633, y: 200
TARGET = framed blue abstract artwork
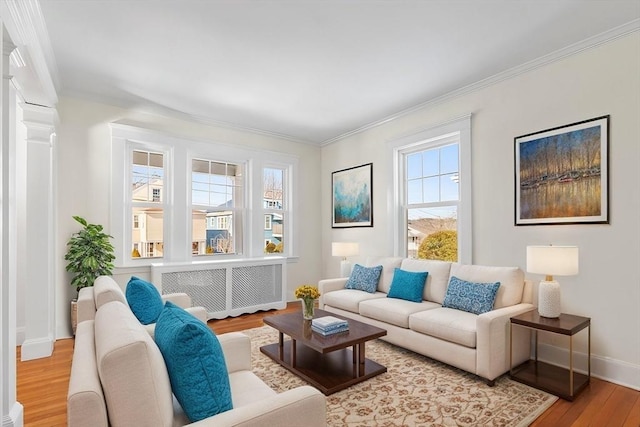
x: 352, y: 197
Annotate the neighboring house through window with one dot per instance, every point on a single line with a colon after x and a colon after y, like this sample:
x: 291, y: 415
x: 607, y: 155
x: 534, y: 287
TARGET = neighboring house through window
x: 212, y: 218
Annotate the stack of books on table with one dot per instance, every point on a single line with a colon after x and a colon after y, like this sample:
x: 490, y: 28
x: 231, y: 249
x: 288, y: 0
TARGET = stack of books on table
x: 328, y: 325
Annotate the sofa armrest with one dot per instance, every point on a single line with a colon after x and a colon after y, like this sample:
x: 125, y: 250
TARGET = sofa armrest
x: 236, y: 347
x: 302, y: 406
x: 85, y: 400
x: 493, y: 332
x: 198, y: 312
x: 86, y: 305
x: 180, y: 299
x: 328, y: 285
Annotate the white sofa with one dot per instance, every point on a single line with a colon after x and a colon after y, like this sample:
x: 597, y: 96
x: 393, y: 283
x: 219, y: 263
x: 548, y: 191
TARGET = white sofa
x: 119, y: 378
x: 105, y: 289
x: 475, y: 343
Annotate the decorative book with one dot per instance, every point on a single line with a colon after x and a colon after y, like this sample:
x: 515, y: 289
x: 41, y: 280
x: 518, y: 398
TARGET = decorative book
x: 328, y: 322
x: 328, y: 325
x: 335, y: 330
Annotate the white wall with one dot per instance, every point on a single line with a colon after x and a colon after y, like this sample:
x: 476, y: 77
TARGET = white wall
x: 84, y: 147
x: 599, y: 81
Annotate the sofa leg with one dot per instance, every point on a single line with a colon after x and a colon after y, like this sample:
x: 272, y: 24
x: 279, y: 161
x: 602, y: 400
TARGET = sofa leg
x: 491, y: 383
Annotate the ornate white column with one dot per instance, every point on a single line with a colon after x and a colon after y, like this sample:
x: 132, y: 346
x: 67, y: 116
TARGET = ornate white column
x: 10, y: 409
x: 39, y: 261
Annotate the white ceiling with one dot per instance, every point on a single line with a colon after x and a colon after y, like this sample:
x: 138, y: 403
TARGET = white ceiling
x: 302, y: 69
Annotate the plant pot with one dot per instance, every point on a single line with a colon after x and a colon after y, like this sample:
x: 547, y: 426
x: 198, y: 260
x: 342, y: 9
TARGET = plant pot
x: 74, y: 316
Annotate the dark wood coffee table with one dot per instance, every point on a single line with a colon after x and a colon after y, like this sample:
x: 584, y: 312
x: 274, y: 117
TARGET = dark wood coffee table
x: 326, y: 362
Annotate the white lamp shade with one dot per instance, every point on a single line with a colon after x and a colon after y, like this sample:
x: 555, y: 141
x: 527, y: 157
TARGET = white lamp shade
x: 344, y: 249
x: 552, y: 260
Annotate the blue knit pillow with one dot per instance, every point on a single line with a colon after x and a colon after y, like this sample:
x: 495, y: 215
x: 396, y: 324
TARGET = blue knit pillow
x: 364, y: 278
x: 144, y: 299
x: 195, y: 362
x: 472, y: 297
x: 407, y: 285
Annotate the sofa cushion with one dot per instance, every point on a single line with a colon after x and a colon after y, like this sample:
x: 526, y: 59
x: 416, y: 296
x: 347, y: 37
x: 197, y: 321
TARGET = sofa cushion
x: 389, y: 264
x: 438, y: 279
x: 105, y: 290
x: 195, y: 362
x: 476, y: 298
x: 511, y: 281
x: 364, y: 278
x: 144, y: 299
x: 349, y: 299
x: 393, y: 311
x: 132, y: 371
x: 408, y: 285
x: 447, y: 324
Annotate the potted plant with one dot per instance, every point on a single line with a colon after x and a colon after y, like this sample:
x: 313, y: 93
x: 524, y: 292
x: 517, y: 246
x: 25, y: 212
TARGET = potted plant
x: 89, y: 254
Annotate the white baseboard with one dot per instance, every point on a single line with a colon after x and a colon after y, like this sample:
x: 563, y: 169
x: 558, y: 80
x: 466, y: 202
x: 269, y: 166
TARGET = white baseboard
x: 15, y: 417
x: 20, y: 335
x: 37, y: 348
x: 616, y: 371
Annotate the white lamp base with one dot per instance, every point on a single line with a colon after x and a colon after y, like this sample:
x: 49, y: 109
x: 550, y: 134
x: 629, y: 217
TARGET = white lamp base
x: 345, y: 268
x: 549, y: 299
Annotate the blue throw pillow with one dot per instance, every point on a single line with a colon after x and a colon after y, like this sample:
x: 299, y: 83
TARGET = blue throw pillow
x: 144, y: 299
x: 195, y: 362
x: 407, y: 285
x: 472, y: 297
x: 364, y: 278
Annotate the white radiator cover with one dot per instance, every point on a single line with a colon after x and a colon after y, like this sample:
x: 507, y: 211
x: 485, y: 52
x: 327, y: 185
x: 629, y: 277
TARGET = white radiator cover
x: 226, y: 288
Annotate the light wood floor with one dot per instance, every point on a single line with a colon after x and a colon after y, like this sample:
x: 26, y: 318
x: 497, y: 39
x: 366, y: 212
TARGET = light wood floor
x: 42, y: 388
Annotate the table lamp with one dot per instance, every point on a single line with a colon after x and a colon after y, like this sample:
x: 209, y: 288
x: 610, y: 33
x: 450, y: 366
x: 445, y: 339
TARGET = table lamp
x: 551, y: 261
x: 344, y: 249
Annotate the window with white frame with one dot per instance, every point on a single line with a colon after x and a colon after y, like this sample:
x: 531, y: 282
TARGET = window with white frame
x: 217, y: 194
x: 432, y: 193
x: 273, y: 190
x: 147, y: 179
x: 210, y: 218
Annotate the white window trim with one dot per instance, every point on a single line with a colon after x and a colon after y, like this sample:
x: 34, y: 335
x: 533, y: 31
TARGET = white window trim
x: 179, y: 153
x: 403, y: 144
x: 289, y: 206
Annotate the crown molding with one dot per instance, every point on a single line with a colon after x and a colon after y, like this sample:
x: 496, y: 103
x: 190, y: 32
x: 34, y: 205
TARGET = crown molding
x: 27, y: 29
x: 589, y: 43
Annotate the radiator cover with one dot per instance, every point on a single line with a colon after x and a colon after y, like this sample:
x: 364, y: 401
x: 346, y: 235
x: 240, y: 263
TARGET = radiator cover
x: 226, y: 288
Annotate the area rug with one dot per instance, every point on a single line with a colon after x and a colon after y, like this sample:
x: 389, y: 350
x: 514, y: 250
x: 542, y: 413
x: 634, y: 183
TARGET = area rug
x: 415, y: 391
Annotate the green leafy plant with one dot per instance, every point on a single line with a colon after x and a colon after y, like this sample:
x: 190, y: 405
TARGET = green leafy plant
x: 90, y: 254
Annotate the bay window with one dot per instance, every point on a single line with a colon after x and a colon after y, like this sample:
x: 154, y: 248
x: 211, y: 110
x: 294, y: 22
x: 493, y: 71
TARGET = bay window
x: 175, y: 199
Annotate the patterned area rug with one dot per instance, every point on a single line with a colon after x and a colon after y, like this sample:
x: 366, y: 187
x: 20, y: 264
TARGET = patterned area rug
x: 415, y: 391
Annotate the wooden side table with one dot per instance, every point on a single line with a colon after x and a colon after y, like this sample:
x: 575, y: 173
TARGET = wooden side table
x: 565, y: 383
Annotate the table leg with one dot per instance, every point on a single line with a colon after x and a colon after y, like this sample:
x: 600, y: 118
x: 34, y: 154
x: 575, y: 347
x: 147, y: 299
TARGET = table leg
x: 511, y: 349
x: 281, y: 346
x: 293, y: 353
x: 361, y: 359
x: 571, y: 366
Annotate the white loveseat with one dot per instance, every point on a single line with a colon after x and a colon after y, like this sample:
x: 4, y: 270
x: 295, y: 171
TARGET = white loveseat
x: 475, y: 343
x: 105, y: 290
x: 119, y: 378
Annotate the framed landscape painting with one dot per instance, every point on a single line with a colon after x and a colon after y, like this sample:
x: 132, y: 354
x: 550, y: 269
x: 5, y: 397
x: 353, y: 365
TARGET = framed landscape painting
x: 352, y: 197
x: 561, y: 174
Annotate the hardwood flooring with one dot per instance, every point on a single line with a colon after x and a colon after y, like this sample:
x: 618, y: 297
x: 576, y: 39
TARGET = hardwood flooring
x: 42, y: 388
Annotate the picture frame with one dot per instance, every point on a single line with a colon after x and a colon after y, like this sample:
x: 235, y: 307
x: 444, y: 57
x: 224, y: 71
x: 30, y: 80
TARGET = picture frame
x: 352, y: 197
x: 562, y: 174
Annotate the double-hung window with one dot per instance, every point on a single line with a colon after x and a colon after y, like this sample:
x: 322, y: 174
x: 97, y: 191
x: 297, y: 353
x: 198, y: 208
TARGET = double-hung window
x: 147, y: 209
x: 273, y: 203
x: 432, y: 193
x: 217, y: 193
